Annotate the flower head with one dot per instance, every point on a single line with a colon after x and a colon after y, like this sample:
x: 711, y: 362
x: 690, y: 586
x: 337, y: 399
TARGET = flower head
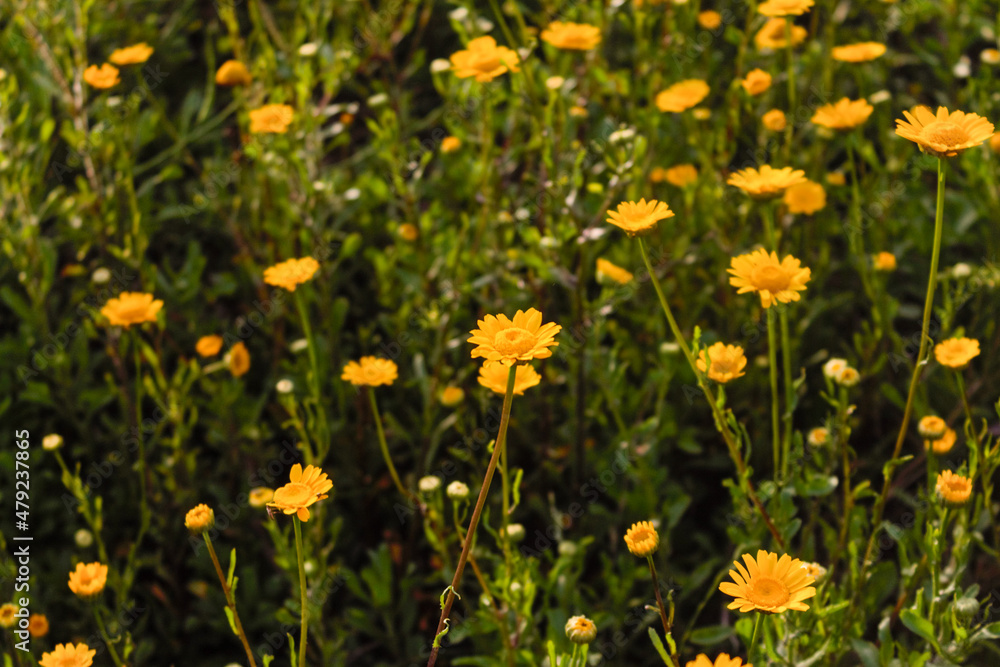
x: 500, y: 340
x: 131, y: 55
x: 233, y: 73
x: 580, y: 630
x: 772, y: 35
x: 769, y: 584
x: 721, y: 660
x: 858, y: 53
x: 638, y: 218
x: 370, y: 371
x: 944, y: 444
x: 457, y: 490
x: 774, y: 120
x: 271, y: 119
x: 239, y: 359
x: 756, y: 82
x: 69, y: 655
x: 953, y: 489
x: 834, y: 367
x: 944, y: 134
x: 102, y: 77
x: 845, y: 114
x: 450, y: 144
x: 494, y: 378
x: 208, y: 346
x: 818, y: 436
x: 38, y: 625
x: 260, y: 496
x: 776, y: 8
x: 681, y: 175
x: 848, y: 377
x: 682, y: 96
x: 8, y: 615
x: 483, y: 59
x: 88, y: 580
x: 931, y: 427
x: 642, y: 539
x: 814, y: 570
x: 130, y: 308
x: 303, y: 490
x: 291, y: 273
x: 722, y: 362
x: 956, y: 352
x: 884, y: 261
x: 451, y: 396
x: 613, y: 272
x: 199, y: 519
x: 767, y: 182
x: 52, y: 441
x: 807, y: 198
x: 574, y: 36
x: 709, y: 19
x: 775, y: 281
x: 429, y: 484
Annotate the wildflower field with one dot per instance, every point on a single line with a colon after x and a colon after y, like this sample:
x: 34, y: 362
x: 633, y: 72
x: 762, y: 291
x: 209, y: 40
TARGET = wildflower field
x: 506, y: 333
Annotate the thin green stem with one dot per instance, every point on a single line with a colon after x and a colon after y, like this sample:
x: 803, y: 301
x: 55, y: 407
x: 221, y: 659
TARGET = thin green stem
x: 751, y: 649
x: 322, y: 436
x: 230, y: 600
x: 960, y: 381
x: 667, y: 622
x: 772, y: 366
x: 302, y: 590
x: 107, y: 639
x: 385, y: 447
x: 786, y: 361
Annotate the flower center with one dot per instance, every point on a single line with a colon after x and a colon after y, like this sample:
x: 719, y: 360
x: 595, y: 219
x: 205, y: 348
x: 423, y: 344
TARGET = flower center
x: 642, y: 536
x: 293, y: 494
x: 514, y: 341
x: 769, y: 277
x: 945, y: 133
x: 486, y: 61
x: 768, y: 592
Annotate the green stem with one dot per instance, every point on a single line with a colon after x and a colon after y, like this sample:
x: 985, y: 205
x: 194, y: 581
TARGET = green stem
x: 385, y: 447
x: 230, y: 600
x: 321, y: 437
x: 772, y: 365
x: 667, y: 623
x: 786, y: 360
x: 960, y: 381
x: 107, y: 639
x: 302, y: 590
x: 751, y: 649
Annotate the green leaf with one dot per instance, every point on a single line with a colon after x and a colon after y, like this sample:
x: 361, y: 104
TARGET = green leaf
x: 919, y: 626
x: 659, y: 647
x: 232, y: 621
x: 868, y: 653
x: 232, y: 570
x: 267, y: 658
x: 712, y: 635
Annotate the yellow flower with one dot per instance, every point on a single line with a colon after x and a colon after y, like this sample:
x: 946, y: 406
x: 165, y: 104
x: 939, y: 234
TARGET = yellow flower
x: 943, y: 444
x: 130, y: 308
x: 769, y: 584
x: 500, y: 340
x: 639, y: 218
x: 291, y: 273
x: 944, y: 134
x: 484, y: 60
x: 722, y: 660
x: 818, y: 436
x: 709, y: 19
x: 233, y: 73
x: 768, y: 182
x: 990, y: 56
x: 370, y: 371
x: 642, y: 539
x: 199, y: 519
x: 494, y: 378
x: 953, y: 489
x: 658, y: 175
x: 208, y: 345
x: 848, y: 377
x: 578, y: 112
x: 452, y: 396
x: 956, y: 352
x: 69, y: 655
x: 836, y: 178
x: 884, y: 261
x: 776, y: 281
x: 7, y: 615
x: 450, y: 144
x: 995, y: 142
x: 271, y: 119
x: 932, y: 427
x: 88, y: 580
x: 612, y: 271
x: 756, y: 82
x: 408, y: 231
x: 239, y: 359
x: 260, y: 496
x: 775, y: 8
x: 303, y: 490
x: 38, y: 625
x: 722, y: 362
x: 844, y: 115
x: 814, y: 570
x: 580, y: 630
x: 104, y: 76
x: 701, y: 113
x: 774, y: 120
x: 682, y: 96
x: 807, y: 198
x: 772, y: 35
x: 682, y: 175
x: 858, y: 53
x: 575, y: 36
x: 131, y: 55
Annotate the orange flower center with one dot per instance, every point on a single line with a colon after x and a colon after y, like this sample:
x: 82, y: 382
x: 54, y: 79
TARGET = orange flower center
x: 294, y: 494
x: 485, y: 61
x: 945, y: 133
x: 769, y: 277
x: 768, y: 592
x: 641, y: 536
x: 514, y: 341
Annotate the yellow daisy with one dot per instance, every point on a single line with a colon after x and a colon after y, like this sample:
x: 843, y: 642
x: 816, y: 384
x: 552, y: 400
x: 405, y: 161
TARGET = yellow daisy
x: 769, y: 584
x: 681, y: 175
x: 370, y: 371
x: 613, y: 272
x: 131, y: 55
x: 500, y: 340
x: 777, y: 8
x: 722, y: 362
x: 102, y: 77
x: 756, y: 82
x: 642, y: 539
x: 767, y: 182
x: 483, y: 59
x: 69, y: 655
x: 208, y: 346
x: 772, y: 35
x: 233, y: 73
x: 271, y: 119
x: 304, y: 488
x: 494, y: 378
x: 291, y: 273
x: 722, y: 660
x: 130, y: 308
x: 807, y: 198
x: 953, y: 489
x: 858, y: 53
x: 88, y: 579
x: 638, y: 218
x: 682, y: 96
x: 775, y: 281
x: 573, y: 36
x: 239, y: 359
x: 957, y: 352
x: 843, y: 115
x: 944, y: 134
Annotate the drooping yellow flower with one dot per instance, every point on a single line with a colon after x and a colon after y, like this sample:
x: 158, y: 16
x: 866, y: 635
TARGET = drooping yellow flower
x: 88, y: 579
x: 722, y: 660
x: 131, y: 55
x: 500, y: 340
x: 69, y: 655
x: 767, y: 182
x: 682, y: 96
x: 638, y: 218
x: 956, y: 352
x: 450, y: 144
x: 291, y: 273
x: 777, y: 8
x: 580, y: 630
x: 776, y: 282
x: 101, y: 77
x: 494, y: 378
x: 130, y: 308
x: 613, y: 272
x: 304, y: 488
x: 642, y: 539
x: 845, y: 114
x: 722, y: 362
x: 774, y: 120
x: 807, y: 198
x: 756, y: 82
x: 769, y: 584
x: 953, y: 489
x: 709, y: 19
x: 772, y: 35
x: 208, y: 346
x: 239, y: 359
x: 483, y: 59
x: 574, y: 36
x: 682, y: 175
x: 884, y: 261
x: 38, y: 625
x: 8, y: 615
x: 271, y: 119
x: 858, y: 53
x: 944, y: 444
x: 932, y: 427
x: 370, y: 371
x: 944, y: 134
x: 233, y: 73
x: 199, y: 519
